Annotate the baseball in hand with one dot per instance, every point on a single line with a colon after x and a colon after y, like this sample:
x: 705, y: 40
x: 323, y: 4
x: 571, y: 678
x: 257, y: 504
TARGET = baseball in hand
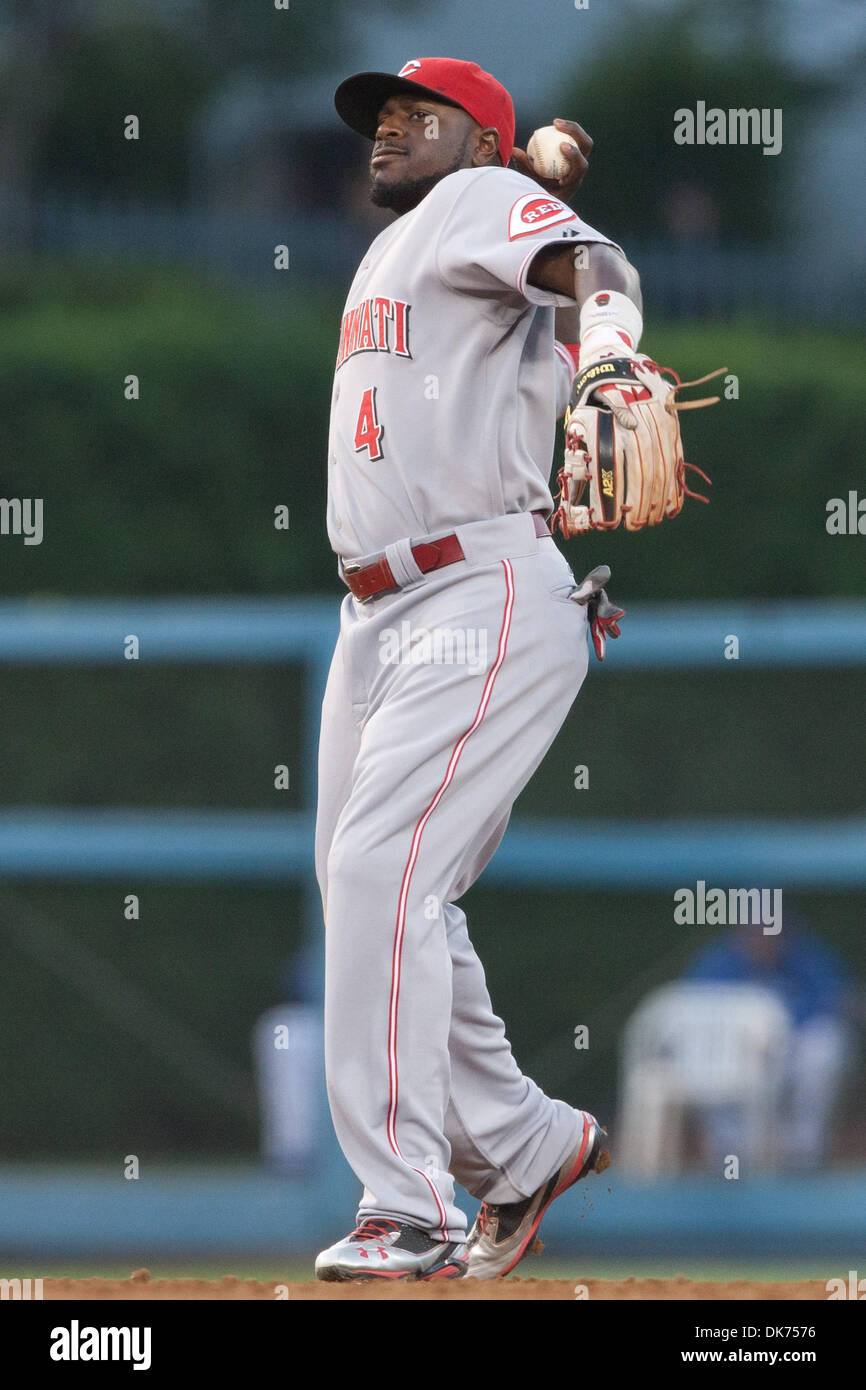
x: 544, y: 153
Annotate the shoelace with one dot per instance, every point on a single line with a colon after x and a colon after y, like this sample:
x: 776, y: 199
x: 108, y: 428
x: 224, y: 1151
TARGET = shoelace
x: 675, y: 405
x: 373, y: 1229
x: 484, y: 1218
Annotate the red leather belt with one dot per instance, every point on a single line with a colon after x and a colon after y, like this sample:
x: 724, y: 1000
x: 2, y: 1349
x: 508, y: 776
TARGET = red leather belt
x: 368, y: 581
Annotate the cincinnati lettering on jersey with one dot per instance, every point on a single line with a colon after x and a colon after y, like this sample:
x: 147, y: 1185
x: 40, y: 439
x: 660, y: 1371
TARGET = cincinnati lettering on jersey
x: 375, y: 325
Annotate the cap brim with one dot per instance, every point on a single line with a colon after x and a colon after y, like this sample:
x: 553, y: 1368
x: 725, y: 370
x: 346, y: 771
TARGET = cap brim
x: 360, y: 98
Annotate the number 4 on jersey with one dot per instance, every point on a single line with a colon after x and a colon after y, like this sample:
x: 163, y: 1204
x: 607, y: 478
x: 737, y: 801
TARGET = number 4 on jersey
x: 368, y: 431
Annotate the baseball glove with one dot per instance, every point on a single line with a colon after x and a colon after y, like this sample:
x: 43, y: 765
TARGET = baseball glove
x: 626, y: 449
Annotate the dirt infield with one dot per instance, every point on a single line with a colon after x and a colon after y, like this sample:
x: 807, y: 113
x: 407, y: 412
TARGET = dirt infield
x: 141, y: 1288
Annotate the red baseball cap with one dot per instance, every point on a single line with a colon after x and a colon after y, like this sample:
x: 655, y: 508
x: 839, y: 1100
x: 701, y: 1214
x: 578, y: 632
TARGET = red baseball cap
x: 360, y: 98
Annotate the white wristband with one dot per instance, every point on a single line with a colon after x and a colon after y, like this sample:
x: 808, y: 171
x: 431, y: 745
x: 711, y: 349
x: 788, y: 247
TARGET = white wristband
x: 606, y: 314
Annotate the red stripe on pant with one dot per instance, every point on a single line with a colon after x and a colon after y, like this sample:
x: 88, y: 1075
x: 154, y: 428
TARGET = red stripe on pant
x: 400, y: 928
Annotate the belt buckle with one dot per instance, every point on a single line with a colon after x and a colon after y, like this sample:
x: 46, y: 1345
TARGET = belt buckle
x: 354, y: 568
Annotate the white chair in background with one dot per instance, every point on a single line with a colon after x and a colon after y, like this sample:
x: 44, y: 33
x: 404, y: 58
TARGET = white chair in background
x: 704, y: 1045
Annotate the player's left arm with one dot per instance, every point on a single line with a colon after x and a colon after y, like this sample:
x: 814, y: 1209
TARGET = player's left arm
x: 622, y: 435
x: 599, y: 268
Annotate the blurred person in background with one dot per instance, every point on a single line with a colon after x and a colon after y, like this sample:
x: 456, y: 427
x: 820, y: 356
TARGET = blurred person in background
x: 289, y: 1060
x: 814, y: 985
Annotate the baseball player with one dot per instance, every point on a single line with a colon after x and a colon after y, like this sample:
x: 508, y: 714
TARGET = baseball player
x: 463, y: 643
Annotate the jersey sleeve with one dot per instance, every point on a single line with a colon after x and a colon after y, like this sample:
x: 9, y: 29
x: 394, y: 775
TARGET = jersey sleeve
x: 499, y: 221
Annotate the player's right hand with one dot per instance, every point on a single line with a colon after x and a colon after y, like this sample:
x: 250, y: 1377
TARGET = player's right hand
x: 578, y: 161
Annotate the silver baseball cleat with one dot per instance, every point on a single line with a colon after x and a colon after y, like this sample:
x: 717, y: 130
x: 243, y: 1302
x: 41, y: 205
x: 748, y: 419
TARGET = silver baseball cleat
x: 503, y: 1234
x: 383, y: 1249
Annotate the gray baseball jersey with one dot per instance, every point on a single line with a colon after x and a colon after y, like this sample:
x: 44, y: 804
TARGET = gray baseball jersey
x: 448, y: 382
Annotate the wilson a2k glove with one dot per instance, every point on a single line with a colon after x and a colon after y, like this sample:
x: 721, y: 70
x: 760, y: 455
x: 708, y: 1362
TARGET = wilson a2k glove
x: 625, y: 453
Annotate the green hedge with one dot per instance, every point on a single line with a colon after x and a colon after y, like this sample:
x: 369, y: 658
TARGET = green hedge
x: 176, y: 492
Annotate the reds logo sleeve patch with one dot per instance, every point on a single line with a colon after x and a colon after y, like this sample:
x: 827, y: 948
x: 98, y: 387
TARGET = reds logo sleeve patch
x: 532, y: 214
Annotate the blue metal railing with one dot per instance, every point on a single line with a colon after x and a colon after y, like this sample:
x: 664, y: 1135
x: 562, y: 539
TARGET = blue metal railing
x: 106, y: 843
